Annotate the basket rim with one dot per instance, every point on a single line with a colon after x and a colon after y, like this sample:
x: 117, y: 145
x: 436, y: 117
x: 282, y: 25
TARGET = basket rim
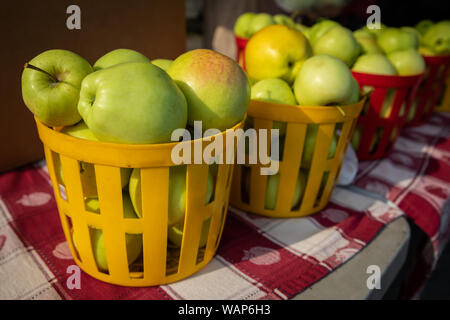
x: 123, y: 155
x: 436, y: 59
x: 388, y: 81
x: 305, y: 114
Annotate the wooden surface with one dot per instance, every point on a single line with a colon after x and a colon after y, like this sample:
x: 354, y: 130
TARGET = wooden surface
x: 27, y: 28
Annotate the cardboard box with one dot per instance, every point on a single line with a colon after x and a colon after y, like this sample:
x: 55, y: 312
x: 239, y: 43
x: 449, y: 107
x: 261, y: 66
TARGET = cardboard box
x: 27, y: 28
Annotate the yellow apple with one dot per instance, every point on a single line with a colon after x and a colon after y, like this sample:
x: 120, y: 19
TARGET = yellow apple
x: 276, y: 51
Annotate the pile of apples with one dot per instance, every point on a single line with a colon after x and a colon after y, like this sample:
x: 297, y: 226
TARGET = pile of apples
x: 283, y: 69
x: 249, y: 23
x: 434, y: 38
x: 284, y: 50
x: 126, y: 98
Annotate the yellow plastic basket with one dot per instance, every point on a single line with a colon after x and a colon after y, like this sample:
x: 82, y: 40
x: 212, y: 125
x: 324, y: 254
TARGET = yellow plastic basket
x: 159, y: 262
x: 323, y: 171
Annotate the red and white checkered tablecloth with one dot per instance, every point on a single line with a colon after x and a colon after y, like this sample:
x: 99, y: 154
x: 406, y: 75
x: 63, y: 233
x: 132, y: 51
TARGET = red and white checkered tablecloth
x: 416, y: 177
x: 258, y: 258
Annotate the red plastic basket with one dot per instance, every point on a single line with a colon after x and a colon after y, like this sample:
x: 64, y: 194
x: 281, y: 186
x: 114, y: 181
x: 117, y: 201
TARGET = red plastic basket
x: 378, y: 127
x: 241, y: 43
x: 431, y: 88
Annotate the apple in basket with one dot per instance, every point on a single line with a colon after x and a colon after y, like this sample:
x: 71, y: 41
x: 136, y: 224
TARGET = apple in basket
x: 162, y: 63
x: 216, y: 88
x: 339, y: 42
x: 87, y: 171
x: 242, y: 25
x: 396, y: 39
x: 320, y: 28
x: 259, y: 21
x: 176, y: 193
x: 323, y: 80
x: 423, y: 25
x: 276, y: 91
x: 272, y: 185
x: 407, y: 62
x: 437, y: 38
x: 175, y: 234
x: 118, y: 56
x: 276, y: 51
x: 51, y: 85
x: 133, y: 241
x: 134, y: 102
x: 284, y: 20
x: 367, y: 41
x: 374, y: 63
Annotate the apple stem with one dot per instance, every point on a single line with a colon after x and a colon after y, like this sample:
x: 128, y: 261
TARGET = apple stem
x: 30, y: 66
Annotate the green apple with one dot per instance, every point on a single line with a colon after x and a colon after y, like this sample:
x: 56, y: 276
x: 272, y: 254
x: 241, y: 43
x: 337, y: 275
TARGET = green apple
x: 363, y: 33
x: 303, y: 29
x: 259, y: 21
x: 276, y: 52
x: 356, y: 138
x: 132, y: 102
x: 323, y: 80
x: 175, y: 234
x: 133, y: 241
x: 51, y: 86
x: 407, y: 62
x: 375, y: 29
x: 338, y: 42
x: 423, y: 25
x: 425, y: 51
x: 354, y: 97
x: 412, y: 111
x: 367, y: 41
x: 437, y: 38
x: 242, y: 25
x: 273, y: 182
x: 277, y: 91
x: 388, y: 103
x: 118, y: 56
x: 416, y: 34
x: 284, y: 20
x: 310, y: 142
x: 374, y: 63
x: 87, y: 170
x: 395, y: 39
x: 368, y: 45
x: 320, y: 28
x: 162, y: 63
x: 177, y: 193
x: 215, y: 86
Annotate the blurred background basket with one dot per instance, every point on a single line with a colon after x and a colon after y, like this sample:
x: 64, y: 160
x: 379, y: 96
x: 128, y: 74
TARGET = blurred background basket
x: 384, y: 114
x: 433, y: 91
x: 241, y: 43
x: 158, y: 262
x: 303, y: 184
